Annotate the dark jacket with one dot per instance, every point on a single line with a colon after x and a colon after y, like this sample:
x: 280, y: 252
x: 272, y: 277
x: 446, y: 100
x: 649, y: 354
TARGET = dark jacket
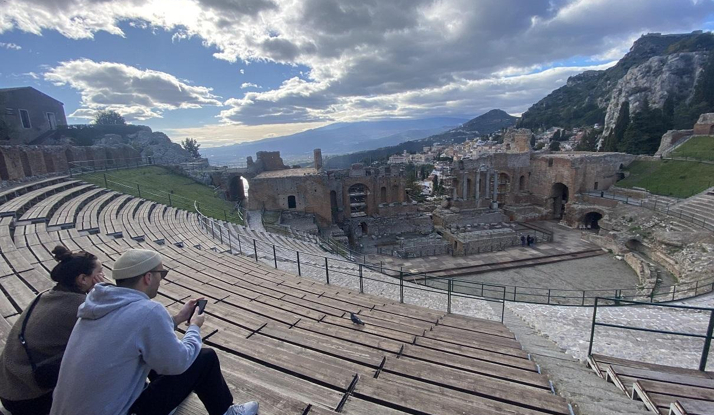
x: 47, y: 334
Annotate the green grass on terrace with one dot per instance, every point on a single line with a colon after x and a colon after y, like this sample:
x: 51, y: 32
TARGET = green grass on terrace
x: 701, y: 148
x: 155, y: 183
x: 670, y: 177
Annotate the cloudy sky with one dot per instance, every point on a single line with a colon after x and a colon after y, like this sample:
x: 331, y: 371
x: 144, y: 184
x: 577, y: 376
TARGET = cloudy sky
x: 235, y: 70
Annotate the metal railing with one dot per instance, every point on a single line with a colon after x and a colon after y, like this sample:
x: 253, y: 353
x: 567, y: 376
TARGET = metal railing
x: 93, y: 166
x: 658, y: 206
x: 535, y: 295
x: 484, y: 290
x: 331, y: 267
x: 136, y: 189
x: 617, y: 301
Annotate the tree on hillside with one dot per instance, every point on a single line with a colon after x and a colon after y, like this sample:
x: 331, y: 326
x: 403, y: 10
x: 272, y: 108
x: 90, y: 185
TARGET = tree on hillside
x: 554, y: 146
x: 556, y: 136
x: 644, y: 133
x: 533, y: 140
x: 613, y: 140
x: 191, y: 145
x: 109, y: 117
x: 588, y: 142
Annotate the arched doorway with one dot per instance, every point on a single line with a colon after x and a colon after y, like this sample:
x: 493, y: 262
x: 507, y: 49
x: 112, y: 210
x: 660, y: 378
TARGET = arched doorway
x: 333, y: 205
x: 364, y: 228
x: 235, y: 189
x: 591, y: 220
x: 469, y: 183
x: 559, y: 195
x: 522, y: 183
x: 292, y: 204
x: 358, y: 200
x: 635, y: 245
x: 383, y: 195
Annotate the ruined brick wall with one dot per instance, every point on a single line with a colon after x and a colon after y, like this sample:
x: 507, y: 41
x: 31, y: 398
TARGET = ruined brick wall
x: 18, y: 163
x: 270, y: 160
x: 311, y: 194
x: 579, y: 172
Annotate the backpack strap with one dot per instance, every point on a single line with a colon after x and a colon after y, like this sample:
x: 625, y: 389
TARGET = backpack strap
x: 21, y: 337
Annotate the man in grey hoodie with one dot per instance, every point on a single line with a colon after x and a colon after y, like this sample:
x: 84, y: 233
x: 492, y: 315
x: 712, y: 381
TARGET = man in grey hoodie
x: 122, y: 337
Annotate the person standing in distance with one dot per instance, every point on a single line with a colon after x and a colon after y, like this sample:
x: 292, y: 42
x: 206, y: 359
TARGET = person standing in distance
x: 122, y: 338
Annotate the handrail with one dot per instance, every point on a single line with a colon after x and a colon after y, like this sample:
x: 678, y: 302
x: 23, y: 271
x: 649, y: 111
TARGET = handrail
x: 534, y: 295
x: 217, y: 231
x: 707, y: 337
x: 515, y: 293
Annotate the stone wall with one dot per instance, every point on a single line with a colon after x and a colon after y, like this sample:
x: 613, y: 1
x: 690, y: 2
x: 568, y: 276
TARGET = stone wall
x: 670, y: 138
x: 19, y: 163
x: 704, y: 125
x: 381, y: 226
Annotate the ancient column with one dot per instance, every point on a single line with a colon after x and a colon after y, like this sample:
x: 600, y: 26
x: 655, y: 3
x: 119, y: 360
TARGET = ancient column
x: 495, y: 186
x: 488, y: 181
x: 478, y: 179
x: 464, y: 187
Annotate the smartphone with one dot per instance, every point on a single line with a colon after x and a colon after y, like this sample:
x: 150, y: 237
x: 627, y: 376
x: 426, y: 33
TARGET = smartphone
x: 201, y: 305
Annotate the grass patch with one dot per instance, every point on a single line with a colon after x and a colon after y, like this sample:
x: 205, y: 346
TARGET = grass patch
x: 700, y: 148
x: 670, y: 177
x: 156, y: 183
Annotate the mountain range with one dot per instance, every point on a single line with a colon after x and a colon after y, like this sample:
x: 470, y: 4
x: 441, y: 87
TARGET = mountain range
x: 484, y: 124
x: 337, y: 138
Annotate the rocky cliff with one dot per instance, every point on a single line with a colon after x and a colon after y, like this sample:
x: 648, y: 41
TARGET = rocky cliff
x: 657, y: 68
x: 653, y: 81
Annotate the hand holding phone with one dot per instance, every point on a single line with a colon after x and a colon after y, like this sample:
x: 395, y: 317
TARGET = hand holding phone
x: 197, y: 316
x: 201, y: 305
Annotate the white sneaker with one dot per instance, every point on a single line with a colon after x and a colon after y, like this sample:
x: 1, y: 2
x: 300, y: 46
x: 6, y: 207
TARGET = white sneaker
x: 248, y: 408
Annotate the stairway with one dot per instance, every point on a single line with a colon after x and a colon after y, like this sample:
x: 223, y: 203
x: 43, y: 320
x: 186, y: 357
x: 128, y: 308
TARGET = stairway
x: 588, y: 394
x: 698, y: 209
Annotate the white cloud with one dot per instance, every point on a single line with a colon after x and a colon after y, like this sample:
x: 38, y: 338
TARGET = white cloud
x: 245, y: 85
x: 215, y: 135
x: 374, y: 57
x: 136, y: 94
x: 242, y: 71
x: 10, y: 46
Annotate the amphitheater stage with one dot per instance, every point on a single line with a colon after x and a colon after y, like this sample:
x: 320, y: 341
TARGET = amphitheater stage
x: 568, y: 263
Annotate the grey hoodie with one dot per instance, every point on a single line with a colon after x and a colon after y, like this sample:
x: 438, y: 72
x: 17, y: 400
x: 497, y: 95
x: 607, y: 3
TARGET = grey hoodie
x: 120, y: 336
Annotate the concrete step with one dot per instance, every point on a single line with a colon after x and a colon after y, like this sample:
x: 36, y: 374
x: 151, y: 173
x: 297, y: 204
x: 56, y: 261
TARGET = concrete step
x: 585, y: 391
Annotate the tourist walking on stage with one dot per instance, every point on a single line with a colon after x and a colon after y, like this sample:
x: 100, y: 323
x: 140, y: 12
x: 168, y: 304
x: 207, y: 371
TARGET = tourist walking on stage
x: 127, y: 337
x: 523, y: 240
x: 28, y: 372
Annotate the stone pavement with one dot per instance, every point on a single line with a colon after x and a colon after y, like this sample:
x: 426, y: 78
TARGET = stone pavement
x: 566, y: 241
x: 255, y: 221
x: 569, y: 328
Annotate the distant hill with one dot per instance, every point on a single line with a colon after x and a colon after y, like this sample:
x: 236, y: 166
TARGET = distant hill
x: 663, y: 82
x: 484, y: 124
x: 336, y: 138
